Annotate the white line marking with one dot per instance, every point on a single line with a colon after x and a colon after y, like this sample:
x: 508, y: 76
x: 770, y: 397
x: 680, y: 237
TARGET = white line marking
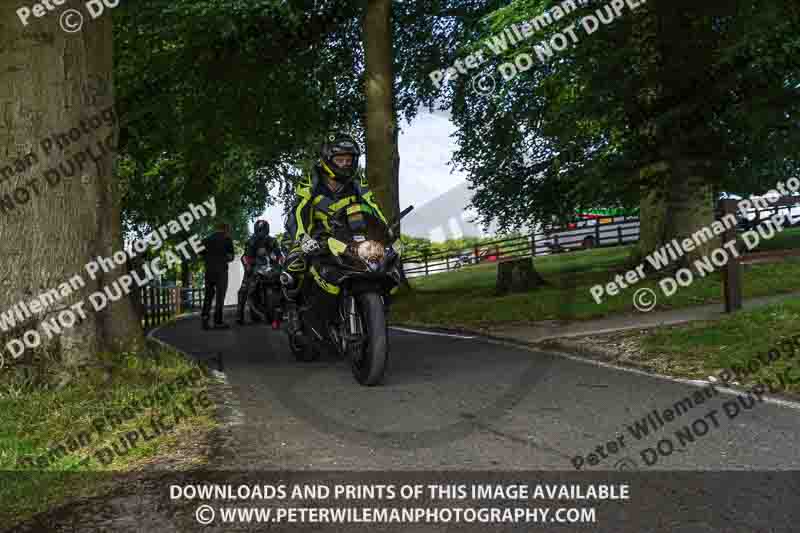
x: 693, y: 382
x: 434, y: 333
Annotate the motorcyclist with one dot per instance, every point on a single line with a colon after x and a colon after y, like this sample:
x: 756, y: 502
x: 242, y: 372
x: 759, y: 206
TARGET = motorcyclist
x: 335, y: 181
x: 259, y: 245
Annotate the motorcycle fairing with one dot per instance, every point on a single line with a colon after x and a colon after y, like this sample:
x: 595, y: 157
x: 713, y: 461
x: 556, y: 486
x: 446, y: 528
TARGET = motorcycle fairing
x: 336, y: 246
x: 327, y: 287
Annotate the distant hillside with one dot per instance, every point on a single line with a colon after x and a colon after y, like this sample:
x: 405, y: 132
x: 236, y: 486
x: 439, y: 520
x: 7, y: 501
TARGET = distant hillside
x: 445, y: 217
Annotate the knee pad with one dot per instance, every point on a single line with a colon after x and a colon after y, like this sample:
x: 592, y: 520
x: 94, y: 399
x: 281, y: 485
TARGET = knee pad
x: 297, y: 266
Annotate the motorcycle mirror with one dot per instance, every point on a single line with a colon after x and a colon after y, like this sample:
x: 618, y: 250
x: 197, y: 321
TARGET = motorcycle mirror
x: 396, y: 224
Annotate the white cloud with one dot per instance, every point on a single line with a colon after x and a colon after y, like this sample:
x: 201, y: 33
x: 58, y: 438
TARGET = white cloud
x: 425, y: 150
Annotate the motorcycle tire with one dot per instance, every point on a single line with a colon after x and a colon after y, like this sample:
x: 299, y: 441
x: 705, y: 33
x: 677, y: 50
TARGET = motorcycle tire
x: 253, y: 316
x: 370, y: 367
x: 273, y: 306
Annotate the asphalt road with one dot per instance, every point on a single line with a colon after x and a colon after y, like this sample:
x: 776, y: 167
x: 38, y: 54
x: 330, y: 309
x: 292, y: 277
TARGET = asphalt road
x: 465, y: 409
x: 462, y: 411
x: 468, y: 403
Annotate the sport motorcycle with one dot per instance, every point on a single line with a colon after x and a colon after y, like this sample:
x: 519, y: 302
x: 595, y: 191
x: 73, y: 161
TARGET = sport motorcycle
x: 345, y: 295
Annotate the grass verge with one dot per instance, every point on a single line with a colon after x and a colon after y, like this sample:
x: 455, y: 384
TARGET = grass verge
x: 56, y: 444
x: 466, y: 299
x: 701, y: 349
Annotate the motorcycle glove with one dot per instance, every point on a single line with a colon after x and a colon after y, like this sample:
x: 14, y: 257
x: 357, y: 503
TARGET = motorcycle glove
x: 309, y: 246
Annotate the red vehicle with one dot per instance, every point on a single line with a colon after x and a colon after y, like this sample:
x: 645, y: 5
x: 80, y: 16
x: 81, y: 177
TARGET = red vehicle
x: 489, y: 254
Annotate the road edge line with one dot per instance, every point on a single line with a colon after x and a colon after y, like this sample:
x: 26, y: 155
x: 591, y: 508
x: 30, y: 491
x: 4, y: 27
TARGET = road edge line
x: 557, y: 351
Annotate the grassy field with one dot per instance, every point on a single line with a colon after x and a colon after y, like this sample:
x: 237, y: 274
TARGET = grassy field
x: 34, y: 423
x: 785, y: 240
x: 466, y: 298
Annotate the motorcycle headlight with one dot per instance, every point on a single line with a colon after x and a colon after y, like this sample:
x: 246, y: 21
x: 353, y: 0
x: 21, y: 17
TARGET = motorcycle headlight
x: 371, y: 251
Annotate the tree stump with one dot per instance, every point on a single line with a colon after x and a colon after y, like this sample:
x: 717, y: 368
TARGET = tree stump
x: 517, y: 275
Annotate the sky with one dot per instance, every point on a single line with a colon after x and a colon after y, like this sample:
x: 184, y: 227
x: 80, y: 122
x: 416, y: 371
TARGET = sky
x: 425, y: 149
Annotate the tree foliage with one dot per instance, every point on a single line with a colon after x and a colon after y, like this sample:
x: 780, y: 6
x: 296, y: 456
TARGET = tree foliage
x: 233, y: 98
x: 227, y: 97
x: 666, y: 91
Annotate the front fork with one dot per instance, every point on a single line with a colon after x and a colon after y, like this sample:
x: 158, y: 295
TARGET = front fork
x: 351, y: 330
x: 354, y: 318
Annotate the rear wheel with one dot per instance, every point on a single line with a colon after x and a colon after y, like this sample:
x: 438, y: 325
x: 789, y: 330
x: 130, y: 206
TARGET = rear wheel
x: 269, y: 304
x: 302, y: 349
x: 253, y: 315
x: 369, y: 364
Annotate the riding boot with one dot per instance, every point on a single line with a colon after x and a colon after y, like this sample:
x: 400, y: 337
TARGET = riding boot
x: 291, y: 297
x: 294, y: 324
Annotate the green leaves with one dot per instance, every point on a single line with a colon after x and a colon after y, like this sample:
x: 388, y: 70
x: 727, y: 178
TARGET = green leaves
x: 714, y: 83
x: 233, y: 89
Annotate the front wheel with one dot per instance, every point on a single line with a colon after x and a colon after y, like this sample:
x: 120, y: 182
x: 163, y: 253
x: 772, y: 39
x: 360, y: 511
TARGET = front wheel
x: 369, y: 364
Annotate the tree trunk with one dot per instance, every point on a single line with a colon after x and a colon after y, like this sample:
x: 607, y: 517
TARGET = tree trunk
x: 395, y: 183
x: 676, y: 212
x: 676, y: 200
x: 517, y: 275
x: 61, y: 210
x: 382, y: 167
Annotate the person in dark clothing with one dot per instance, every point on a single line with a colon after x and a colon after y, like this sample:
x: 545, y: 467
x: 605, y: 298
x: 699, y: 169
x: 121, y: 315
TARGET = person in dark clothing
x: 258, y: 246
x: 217, y: 254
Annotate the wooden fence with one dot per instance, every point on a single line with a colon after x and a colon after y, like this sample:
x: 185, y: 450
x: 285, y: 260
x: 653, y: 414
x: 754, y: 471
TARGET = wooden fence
x: 604, y: 232
x: 732, y: 271
x: 157, y: 305
x: 618, y: 231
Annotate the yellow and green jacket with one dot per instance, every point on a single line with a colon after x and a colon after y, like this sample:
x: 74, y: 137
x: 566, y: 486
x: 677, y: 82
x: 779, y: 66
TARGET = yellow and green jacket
x: 313, y: 190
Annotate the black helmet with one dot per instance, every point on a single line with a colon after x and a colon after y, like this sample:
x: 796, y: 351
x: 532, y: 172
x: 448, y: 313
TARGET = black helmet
x: 337, y: 144
x: 262, y: 227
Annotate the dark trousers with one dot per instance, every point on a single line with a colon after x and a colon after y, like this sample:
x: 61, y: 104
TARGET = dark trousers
x: 216, y: 287
x: 244, y: 293
x: 323, y: 306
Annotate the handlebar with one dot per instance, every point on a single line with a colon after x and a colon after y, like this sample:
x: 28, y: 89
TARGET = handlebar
x: 396, y: 224
x: 392, y: 227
